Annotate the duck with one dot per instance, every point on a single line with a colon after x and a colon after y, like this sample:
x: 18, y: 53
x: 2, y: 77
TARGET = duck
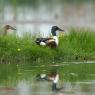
x: 8, y: 29
x: 51, y: 42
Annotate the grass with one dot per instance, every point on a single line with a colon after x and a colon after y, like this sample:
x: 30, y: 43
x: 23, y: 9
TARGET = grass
x: 17, y: 49
x: 77, y: 45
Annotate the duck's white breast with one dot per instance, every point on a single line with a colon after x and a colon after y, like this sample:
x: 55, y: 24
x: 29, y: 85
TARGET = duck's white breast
x: 56, y: 39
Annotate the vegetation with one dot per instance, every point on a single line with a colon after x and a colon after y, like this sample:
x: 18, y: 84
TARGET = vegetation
x: 77, y: 45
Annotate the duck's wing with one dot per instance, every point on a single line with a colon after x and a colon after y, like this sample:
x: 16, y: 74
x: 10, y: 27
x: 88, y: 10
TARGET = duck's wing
x: 43, y: 39
x: 39, y: 40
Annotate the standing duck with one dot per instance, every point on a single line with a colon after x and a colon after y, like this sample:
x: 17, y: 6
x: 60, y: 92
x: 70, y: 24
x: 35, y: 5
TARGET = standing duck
x: 51, y: 42
x: 7, y: 29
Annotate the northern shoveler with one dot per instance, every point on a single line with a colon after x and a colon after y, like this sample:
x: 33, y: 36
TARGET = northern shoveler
x: 51, y: 42
x: 7, y: 29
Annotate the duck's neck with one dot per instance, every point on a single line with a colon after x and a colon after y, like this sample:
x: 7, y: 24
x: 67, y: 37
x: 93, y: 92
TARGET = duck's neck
x: 53, y: 33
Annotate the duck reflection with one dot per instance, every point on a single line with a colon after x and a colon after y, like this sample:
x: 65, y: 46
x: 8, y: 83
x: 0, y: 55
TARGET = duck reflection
x: 53, y: 77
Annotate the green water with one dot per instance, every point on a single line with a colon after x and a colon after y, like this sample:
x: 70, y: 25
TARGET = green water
x: 20, y: 79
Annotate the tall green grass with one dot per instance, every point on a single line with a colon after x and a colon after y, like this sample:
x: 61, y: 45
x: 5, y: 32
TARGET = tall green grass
x: 76, y: 45
x: 22, y: 49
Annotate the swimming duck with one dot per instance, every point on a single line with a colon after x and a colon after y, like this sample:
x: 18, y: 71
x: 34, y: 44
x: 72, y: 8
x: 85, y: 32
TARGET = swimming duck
x: 51, y: 42
x: 7, y: 29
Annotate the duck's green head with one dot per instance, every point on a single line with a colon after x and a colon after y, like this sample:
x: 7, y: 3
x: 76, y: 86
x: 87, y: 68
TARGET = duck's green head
x: 54, y: 29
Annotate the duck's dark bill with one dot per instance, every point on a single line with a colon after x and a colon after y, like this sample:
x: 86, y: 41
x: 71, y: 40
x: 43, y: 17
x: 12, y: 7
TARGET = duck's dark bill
x: 61, y: 29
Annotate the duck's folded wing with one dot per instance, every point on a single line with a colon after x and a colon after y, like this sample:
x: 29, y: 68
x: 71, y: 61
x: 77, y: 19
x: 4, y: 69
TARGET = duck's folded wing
x: 38, y: 40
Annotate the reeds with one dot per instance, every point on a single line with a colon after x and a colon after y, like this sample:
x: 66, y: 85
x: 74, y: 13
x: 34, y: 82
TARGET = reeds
x: 78, y: 44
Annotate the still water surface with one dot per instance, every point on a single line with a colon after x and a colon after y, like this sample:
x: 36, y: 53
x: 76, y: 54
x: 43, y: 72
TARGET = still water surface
x: 21, y: 80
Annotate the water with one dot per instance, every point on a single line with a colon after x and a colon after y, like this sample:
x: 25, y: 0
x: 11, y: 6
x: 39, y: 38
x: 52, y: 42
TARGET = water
x: 20, y: 79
